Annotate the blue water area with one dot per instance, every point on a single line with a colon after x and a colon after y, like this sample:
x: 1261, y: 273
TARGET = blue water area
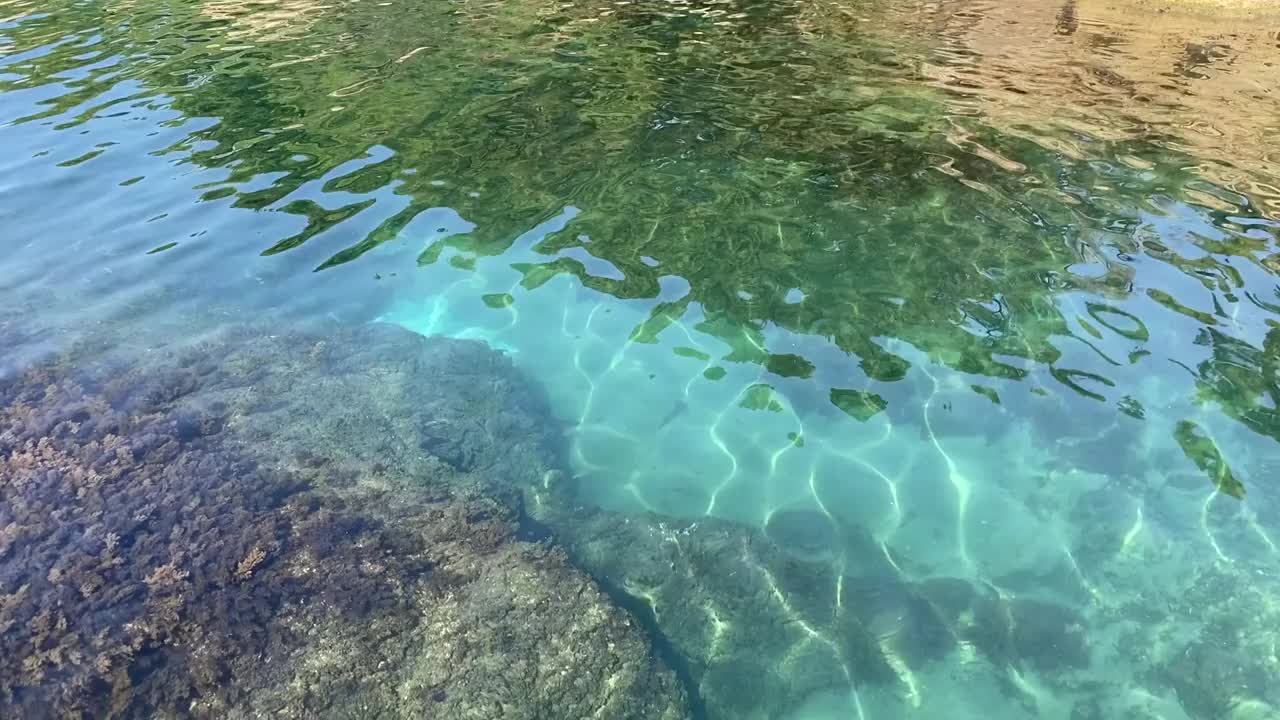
x: 996, y: 285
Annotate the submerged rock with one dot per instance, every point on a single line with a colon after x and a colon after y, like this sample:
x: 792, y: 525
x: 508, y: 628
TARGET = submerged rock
x: 807, y: 534
x: 1219, y: 651
x: 765, y: 621
x: 371, y: 403
x: 291, y: 526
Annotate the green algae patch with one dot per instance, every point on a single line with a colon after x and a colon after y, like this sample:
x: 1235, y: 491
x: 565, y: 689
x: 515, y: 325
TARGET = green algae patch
x: 498, y: 301
x: 1131, y: 407
x: 858, y: 404
x: 463, y: 262
x: 1172, y: 303
x: 789, y: 366
x: 660, y: 318
x: 1073, y: 379
x: 689, y: 352
x: 761, y: 397
x: 535, y: 275
x: 988, y: 393
x: 1203, y: 451
x: 1118, y: 321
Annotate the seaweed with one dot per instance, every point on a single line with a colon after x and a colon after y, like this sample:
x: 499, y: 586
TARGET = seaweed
x: 145, y: 562
x: 249, y: 527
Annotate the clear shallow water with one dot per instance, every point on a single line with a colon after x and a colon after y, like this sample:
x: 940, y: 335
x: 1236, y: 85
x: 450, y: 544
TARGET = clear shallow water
x: 997, y: 284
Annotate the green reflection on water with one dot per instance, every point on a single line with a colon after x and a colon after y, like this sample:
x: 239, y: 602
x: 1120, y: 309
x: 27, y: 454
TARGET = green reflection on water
x: 808, y: 148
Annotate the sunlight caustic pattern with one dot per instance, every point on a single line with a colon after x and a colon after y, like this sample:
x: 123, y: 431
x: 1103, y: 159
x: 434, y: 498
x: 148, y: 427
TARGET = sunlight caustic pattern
x: 949, y: 477
x: 659, y: 421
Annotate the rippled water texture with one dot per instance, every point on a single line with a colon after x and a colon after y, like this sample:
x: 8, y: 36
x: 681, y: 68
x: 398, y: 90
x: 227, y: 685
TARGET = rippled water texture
x: 990, y: 286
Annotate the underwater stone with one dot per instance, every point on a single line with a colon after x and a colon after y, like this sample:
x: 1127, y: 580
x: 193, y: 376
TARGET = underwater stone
x: 807, y: 534
x: 1210, y: 680
x: 1048, y: 636
x: 1213, y: 645
x: 762, y: 632
x: 1103, y: 519
x: 899, y: 619
x: 976, y: 614
x: 1213, y: 680
x: 260, y: 534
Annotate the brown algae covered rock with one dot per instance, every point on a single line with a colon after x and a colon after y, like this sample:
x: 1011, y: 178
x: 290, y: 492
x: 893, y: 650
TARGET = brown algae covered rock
x: 164, y: 553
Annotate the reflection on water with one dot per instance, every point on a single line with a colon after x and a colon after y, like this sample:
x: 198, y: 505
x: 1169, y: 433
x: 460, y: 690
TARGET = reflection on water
x: 989, y: 286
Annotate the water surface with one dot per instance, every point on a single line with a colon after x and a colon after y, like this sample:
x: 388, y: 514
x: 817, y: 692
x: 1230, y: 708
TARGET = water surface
x: 994, y: 282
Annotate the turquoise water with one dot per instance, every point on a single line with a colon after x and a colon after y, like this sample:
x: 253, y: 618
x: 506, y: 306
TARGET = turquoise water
x: 995, y: 285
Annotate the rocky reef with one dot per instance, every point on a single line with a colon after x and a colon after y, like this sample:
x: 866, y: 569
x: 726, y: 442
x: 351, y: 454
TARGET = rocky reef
x: 294, y: 525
